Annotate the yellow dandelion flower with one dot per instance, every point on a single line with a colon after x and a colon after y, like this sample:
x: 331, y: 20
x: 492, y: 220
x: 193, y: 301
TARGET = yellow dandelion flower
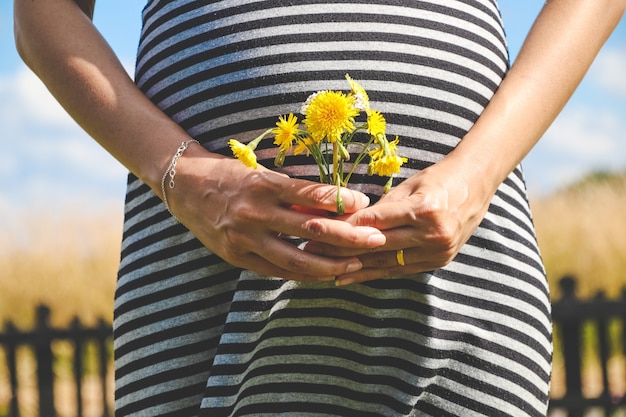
x: 285, y: 131
x: 302, y: 146
x: 392, y: 145
x: 376, y: 123
x: 387, y: 165
x: 244, y: 153
x: 377, y: 153
x: 384, y: 161
x: 329, y: 115
x: 359, y: 91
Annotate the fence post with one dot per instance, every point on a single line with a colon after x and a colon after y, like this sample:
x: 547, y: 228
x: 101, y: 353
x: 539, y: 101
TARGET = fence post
x: 14, y: 410
x: 604, y: 348
x: 571, y: 341
x: 43, y: 353
x: 75, y: 326
x: 103, y: 364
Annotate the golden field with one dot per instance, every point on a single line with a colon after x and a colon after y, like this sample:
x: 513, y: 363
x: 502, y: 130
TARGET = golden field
x: 582, y: 232
x: 67, y: 262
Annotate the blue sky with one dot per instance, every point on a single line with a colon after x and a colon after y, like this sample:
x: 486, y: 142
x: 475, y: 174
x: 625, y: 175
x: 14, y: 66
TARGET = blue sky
x: 46, y: 161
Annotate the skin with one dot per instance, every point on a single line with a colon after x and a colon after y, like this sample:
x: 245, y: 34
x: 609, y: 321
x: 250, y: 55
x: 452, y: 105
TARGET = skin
x: 430, y: 216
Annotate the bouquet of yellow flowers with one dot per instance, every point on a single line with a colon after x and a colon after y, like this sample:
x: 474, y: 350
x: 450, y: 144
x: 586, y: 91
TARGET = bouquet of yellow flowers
x: 331, y: 123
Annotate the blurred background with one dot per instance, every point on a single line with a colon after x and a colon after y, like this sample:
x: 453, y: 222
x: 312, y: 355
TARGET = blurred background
x: 61, y: 196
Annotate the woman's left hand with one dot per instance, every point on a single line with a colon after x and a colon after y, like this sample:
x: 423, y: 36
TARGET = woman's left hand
x: 426, y: 220
x: 432, y: 214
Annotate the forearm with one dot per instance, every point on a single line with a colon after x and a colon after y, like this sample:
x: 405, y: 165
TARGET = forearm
x: 557, y: 53
x: 58, y: 41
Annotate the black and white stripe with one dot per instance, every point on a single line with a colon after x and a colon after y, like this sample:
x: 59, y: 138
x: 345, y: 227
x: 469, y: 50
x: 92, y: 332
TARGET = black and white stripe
x: 196, y: 336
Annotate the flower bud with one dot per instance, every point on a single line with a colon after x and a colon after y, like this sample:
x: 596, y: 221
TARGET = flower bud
x: 280, y: 158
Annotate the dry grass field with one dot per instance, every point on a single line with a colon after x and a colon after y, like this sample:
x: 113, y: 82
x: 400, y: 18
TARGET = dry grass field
x: 67, y: 262
x: 582, y: 232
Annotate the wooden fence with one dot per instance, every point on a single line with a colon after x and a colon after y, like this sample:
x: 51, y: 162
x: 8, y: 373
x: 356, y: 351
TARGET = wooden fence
x: 590, y: 332
x: 585, y: 331
x: 89, y: 345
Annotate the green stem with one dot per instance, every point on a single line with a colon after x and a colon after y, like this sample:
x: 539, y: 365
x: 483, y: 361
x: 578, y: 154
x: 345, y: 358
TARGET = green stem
x: 339, y: 203
x: 337, y: 178
x: 358, y: 159
x: 255, y: 142
x: 335, y: 162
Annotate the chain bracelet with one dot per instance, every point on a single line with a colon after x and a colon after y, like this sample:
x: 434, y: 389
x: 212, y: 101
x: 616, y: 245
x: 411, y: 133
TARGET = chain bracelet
x: 171, y: 172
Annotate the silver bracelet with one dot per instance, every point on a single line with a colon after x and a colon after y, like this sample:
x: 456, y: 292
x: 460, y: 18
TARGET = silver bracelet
x: 171, y: 171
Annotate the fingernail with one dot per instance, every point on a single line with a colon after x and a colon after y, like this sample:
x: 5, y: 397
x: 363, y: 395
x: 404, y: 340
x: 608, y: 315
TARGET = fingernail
x: 354, y: 266
x: 342, y: 282
x: 377, y: 239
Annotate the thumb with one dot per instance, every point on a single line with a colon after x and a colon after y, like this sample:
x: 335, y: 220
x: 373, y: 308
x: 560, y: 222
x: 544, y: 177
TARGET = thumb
x: 323, y: 197
x: 352, y: 200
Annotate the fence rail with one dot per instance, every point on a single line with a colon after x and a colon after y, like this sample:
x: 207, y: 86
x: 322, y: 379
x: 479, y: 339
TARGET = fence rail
x: 578, y: 324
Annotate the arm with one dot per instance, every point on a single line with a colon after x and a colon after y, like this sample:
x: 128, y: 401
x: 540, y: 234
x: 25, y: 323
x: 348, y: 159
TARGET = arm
x: 558, y: 51
x: 236, y: 212
x: 443, y: 205
x: 57, y: 40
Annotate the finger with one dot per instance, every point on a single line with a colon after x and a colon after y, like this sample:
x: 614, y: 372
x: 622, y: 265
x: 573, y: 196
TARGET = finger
x: 385, y: 215
x: 325, y: 249
x: 369, y: 274
x: 254, y: 262
x: 298, y: 262
x: 308, y: 194
x: 398, y: 238
x: 391, y: 259
x: 326, y: 230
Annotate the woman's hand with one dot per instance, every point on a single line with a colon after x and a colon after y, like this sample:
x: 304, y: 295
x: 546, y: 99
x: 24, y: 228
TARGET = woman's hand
x: 236, y: 212
x: 241, y: 213
x: 429, y: 217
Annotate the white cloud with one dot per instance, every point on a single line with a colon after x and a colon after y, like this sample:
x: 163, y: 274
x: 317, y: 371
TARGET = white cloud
x: 609, y: 71
x: 44, y: 154
x: 26, y: 99
x: 589, y: 135
x: 581, y: 140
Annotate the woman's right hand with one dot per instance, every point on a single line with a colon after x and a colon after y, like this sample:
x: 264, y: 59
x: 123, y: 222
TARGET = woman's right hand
x: 239, y: 214
x: 236, y: 212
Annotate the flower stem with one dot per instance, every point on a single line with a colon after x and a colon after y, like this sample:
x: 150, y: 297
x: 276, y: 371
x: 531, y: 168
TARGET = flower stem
x: 337, y: 178
x: 339, y: 203
x: 335, y: 162
x: 359, y: 158
x: 255, y: 142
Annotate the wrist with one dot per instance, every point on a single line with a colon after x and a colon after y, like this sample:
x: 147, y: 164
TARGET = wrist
x: 190, y: 168
x: 168, y: 179
x: 157, y: 168
x: 473, y: 172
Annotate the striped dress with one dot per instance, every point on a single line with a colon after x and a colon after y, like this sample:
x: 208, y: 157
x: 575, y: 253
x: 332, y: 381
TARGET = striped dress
x: 195, y: 336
